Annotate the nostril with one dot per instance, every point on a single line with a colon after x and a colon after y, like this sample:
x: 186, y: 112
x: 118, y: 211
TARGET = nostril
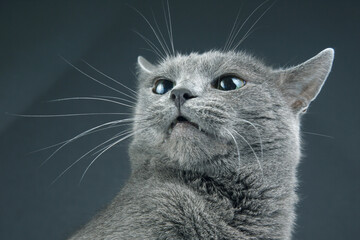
x: 173, y: 96
x: 188, y: 96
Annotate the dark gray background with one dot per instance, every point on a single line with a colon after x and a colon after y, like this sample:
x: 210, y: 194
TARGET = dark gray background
x: 34, y: 33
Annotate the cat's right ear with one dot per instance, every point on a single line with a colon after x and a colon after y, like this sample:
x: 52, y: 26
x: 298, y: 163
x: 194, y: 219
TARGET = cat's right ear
x: 145, y: 65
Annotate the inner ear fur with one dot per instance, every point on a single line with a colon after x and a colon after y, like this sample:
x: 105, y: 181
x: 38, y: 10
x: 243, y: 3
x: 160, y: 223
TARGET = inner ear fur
x: 302, y: 83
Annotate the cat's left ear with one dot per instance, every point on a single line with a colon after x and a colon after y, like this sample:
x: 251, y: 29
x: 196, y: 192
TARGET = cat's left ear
x: 145, y: 65
x: 301, y: 84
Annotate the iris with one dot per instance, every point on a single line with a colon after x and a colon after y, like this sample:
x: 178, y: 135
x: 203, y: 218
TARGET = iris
x: 228, y: 83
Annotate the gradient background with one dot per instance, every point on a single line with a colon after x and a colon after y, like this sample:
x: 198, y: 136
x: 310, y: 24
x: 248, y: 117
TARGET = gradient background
x: 34, y: 33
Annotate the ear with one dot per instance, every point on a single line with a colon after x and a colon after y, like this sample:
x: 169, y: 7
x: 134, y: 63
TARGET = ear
x: 301, y: 84
x: 145, y: 65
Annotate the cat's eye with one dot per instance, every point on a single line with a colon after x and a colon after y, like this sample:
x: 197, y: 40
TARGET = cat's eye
x: 227, y: 83
x: 162, y: 86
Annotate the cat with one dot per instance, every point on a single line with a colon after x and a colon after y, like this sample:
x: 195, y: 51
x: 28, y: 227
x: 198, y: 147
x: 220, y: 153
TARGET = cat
x: 215, y: 149
x: 215, y: 145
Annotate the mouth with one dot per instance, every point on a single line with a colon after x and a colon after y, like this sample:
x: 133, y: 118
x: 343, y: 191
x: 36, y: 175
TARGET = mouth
x: 182, y: 121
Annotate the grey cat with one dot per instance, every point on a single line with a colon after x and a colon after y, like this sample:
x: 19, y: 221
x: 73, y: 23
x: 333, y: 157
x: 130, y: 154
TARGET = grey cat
x: 215, y: 149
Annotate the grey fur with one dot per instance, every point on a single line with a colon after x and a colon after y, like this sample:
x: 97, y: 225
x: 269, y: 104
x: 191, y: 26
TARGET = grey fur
x: 192, y: 184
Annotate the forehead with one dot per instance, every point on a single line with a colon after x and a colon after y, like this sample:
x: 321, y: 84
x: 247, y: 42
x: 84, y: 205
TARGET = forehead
x: 211, y: 64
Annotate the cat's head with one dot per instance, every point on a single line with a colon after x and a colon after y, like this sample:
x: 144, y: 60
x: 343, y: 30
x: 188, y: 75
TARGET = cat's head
x: 222, y: 111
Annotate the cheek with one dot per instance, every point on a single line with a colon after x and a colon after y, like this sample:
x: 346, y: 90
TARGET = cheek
x: 257, y: 100
x: 157, y: 116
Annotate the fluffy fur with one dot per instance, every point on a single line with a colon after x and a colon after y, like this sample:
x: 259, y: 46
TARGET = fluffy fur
x: 233, y: 179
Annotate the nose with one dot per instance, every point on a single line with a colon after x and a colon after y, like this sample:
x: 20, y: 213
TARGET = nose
x: 181, y: 95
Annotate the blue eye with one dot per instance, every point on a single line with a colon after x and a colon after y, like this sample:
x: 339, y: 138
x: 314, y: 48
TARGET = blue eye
x: 228, y: 83
x: 162, y: 86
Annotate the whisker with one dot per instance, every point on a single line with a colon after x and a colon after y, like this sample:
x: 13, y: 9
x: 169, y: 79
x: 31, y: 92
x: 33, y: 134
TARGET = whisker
x: 244, y: 38
x: 152, y: 45
x: 110, y: 146
x: 161, y: 35
x: 98, y: 130
x: 232, y: 30
x: 252, y: 26
x: 319, y: 134
x: 91, y: 98
x: 118, y: 98
x: 259, y: 135
x: 87, y: 153
x: 153, y: 30
x: 151, y: 50
x: 236, y: 144
x: 81, y: 135
x: 169, y: 25
x: 243, y: 24
x: 94, y: 79
x: 171, y: 28
x: 115, y: 136
x: 252, y: 149
x: 64, y: 115
x: 112, y: 79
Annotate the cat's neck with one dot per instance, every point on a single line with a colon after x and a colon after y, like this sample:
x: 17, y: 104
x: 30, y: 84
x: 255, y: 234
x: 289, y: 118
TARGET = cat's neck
x: 233, y: 186
x: 244, y: 196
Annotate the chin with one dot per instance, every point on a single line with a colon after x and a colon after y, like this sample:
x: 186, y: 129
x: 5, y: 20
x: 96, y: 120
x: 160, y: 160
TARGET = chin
x: 188, y: 148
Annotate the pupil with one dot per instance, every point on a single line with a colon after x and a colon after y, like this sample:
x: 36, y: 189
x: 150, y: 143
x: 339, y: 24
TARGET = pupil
x: 228, y: 84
